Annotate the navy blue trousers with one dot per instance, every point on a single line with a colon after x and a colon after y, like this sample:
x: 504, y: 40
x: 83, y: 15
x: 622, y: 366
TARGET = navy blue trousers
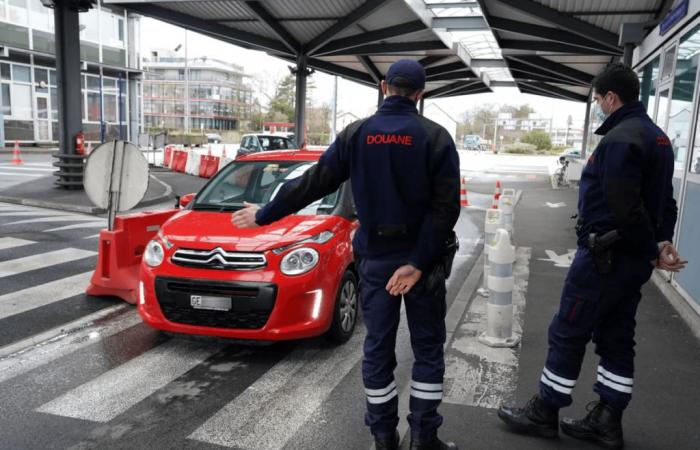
x: 425, y: 313
x: 601, y: 308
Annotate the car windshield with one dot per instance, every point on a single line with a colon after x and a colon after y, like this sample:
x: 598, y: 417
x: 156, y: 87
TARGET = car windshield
x: 256, y: 182
x: 275, y: 143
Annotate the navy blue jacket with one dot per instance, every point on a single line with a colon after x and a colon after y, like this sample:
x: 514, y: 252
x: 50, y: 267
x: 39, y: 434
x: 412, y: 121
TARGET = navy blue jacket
x: 627, y: 183
x: 404, y: 172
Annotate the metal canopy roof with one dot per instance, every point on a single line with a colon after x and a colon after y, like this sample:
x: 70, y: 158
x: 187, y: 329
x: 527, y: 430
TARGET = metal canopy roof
x: 555, y: 47
x: 355, y: 39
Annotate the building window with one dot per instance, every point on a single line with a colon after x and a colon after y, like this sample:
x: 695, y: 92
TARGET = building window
x: 6, y: 101
x: 647, y: 94
x: 17, y: 12
x: 21, y: 73
x: 93, y: 107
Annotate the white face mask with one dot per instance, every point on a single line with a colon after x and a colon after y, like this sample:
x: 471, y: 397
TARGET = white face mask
x: 599, y: 112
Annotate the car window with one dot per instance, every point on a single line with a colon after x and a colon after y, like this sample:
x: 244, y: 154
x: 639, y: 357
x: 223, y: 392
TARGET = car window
x: 257, y: 182
x: 245, y: 142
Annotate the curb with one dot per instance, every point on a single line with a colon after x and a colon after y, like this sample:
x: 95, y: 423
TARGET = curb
x: 464, y: 297
x: 94, y: 210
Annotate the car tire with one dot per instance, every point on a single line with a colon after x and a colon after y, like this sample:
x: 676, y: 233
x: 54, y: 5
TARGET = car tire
x: 347, y: 304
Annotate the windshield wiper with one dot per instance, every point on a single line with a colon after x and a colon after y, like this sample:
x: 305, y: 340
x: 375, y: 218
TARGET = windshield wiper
x: 216, y: 207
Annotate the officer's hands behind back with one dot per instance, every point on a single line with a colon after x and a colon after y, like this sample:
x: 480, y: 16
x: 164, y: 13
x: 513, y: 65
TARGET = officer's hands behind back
x: 403, y: 279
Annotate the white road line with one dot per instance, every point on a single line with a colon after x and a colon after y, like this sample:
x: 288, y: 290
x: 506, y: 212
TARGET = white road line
x: 272, y: 410
x: 74, y: 218
x: 29, y: 213
x: 119, y: 389
x: 478, y: 375
x: 29, y: 164
x: 94, y: 236
x: 32, y: 169
x: 12, y: 174
x: 36, y: 351
x: 100, y: 224
x: 10, y: 242
x: 44, y: 294
x: 41, y: 260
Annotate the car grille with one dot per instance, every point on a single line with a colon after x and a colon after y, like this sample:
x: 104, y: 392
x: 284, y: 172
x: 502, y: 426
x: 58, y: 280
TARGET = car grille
x: 251, y: 303
x: 218, y: 258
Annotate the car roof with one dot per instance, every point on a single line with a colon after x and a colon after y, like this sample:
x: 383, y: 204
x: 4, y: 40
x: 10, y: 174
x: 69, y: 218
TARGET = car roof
x: 283, y: 155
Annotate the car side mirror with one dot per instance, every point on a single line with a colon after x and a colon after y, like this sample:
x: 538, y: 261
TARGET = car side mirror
x: 185, y: 200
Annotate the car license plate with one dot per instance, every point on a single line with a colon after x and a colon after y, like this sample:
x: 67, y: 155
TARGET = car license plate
x: 210, y: 302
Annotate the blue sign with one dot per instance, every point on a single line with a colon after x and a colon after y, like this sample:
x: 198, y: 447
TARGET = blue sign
x: 673, y: 17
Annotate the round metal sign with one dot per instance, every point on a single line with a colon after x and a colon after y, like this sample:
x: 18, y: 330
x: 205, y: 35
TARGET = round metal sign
x: 116, y: 176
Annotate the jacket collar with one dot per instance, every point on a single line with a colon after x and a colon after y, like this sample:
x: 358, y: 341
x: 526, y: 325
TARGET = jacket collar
x: 398, y: 103
x: 632, y: 109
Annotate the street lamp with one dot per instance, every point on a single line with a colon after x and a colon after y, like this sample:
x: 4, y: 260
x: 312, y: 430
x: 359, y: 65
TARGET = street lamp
x: 187, y: 87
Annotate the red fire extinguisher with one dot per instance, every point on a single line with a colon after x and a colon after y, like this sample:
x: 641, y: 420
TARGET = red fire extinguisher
x: 80, y: 143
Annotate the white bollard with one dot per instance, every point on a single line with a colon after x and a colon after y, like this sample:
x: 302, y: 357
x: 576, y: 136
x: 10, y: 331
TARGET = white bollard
x: 499, y: 327
x: 492, y: 222
x: 507, y: 204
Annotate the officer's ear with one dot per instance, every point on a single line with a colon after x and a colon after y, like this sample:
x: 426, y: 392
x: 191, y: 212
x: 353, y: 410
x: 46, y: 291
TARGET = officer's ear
x: 384, y: 87
x: 419, y: 95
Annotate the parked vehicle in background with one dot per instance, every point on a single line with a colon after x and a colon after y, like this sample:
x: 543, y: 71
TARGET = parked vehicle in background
x: 570, y: 153
x: 214, y: 138
x: 472, y: 142
x: 253, y: 143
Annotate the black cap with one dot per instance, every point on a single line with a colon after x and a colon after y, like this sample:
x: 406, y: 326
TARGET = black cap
x: 411, y: 71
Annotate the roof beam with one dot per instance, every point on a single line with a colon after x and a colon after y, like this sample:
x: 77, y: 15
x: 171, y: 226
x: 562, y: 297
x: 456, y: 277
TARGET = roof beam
x: 488, y: 63
x: 452, y: 5
x: 457, y: 85
x: 281, y: 32
x: 465, y: 91
x: 565, y: 21
x: 214, y: 30
x: 445, y: 68
x: 549, y: 46
x: 391, y: 47
x: 351, y: 19
x: 497, y: 83
x: 432, y: 59
x: 520, y: 75
x: 555, y: 90
x: 458, y: 75
x: 467, y: 23
x: 551, y: 34
x: 632, y: 12
x: 335, y: 69
x: 555, y: 68
x: 371, y: 36
x: 371, y: 68
x: 533, y: 71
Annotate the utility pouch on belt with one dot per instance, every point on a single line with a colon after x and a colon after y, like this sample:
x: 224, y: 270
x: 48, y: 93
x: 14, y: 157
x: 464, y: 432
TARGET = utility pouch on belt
x: 601, y: 248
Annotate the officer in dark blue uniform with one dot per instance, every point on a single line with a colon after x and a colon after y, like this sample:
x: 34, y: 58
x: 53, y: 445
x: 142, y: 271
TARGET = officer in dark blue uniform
x: 626, y: 219
x: 404, y: 172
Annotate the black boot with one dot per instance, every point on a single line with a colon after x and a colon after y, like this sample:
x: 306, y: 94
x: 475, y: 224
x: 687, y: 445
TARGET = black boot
x: 433, y: 444
x: 536, y: 418
x: 602, y: 425
x: 391, y: 443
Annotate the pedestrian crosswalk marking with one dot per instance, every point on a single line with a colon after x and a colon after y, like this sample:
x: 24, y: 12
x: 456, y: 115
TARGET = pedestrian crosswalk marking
x: 74, y: 218
x: 114, y: 392
x: 44, y: 294
x: 42, y: 260
x: 10, y: 242
x: 96, y: 224
x: 273, y: 409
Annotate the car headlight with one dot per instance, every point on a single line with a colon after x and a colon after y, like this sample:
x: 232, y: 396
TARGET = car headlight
x: 154, y: 254
x: 299, y: 261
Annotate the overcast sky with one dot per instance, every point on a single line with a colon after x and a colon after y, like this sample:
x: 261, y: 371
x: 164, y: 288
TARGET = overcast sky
x: 356, y: 98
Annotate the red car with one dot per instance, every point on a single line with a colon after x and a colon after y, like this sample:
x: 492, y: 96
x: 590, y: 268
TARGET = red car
x: 292, y: 279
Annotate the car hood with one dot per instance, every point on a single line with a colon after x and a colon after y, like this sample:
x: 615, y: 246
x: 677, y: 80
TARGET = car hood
x: 205, y: 230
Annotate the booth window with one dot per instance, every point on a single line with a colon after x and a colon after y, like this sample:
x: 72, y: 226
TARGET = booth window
x: 647, y: 94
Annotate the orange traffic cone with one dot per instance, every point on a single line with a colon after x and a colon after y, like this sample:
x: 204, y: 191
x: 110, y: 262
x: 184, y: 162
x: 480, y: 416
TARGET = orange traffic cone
x: 16, y: 158
x: 463, y: 200
x: 494, y: 203
x: 497, y: 192
x: 209, y: 152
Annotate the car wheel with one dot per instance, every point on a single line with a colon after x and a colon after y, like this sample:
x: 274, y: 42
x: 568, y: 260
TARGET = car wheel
x: 346, y: 309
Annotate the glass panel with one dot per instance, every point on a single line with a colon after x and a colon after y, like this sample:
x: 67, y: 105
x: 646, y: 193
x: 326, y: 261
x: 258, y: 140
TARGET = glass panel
x: 17, y: 12
x: 40, y: 16
x: 109, y: 84
x: 21, y: 101
x: 5, y: 72
x: 41, y: 79
x: 5, y: 98
x: 21, y: 73
x: 52, y: 77
x: 42, y: 108
x: 647, y: 93
x: 680, y: 116
x: 663, y: 109
x: 93, y: 83
x: 110, y: 108
x: 93, y: 107
x: 54, y: 103
x: 668, y: 63
x: 90, y: 21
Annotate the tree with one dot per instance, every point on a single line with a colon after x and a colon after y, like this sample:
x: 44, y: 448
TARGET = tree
x: 538, y: 138
x: 318, y: 124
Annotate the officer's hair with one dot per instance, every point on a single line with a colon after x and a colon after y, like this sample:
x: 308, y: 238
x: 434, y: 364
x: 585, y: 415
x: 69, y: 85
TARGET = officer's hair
x: 620, y: 79
x: 396, y: 88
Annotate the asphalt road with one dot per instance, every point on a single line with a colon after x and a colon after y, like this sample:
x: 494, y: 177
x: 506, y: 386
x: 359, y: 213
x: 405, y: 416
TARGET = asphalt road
x: 112, y: 382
